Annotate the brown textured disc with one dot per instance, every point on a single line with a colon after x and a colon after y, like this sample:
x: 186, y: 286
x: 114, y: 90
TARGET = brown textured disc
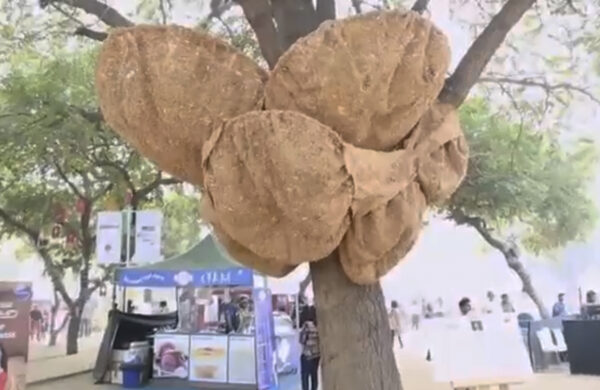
x: 166, y: 88
x: 277, y: 185
x: 370, y: 77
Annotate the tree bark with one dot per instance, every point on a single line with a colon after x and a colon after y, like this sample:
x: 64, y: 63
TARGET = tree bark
x: 515, y: 264
x: 355, y: 337
x: 73, y: 334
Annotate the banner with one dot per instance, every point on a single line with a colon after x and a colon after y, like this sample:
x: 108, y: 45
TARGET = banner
x: 148, y: 225
x: 265, y: 335
x: 109, y: 233
x: 15, y: 304
x: 199, y: 278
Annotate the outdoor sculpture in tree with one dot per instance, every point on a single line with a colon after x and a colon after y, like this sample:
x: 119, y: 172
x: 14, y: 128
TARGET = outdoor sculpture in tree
x: 333, y: 155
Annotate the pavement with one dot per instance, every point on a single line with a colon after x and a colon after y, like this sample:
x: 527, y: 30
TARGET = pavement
x: 50, y: 362
x: 417, y: 374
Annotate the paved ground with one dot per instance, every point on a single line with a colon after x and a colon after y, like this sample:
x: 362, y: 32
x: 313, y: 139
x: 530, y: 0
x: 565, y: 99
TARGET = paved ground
x: 416, y: 373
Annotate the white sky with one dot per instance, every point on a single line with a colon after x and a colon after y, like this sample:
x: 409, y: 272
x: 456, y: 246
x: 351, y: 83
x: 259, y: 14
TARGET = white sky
x: 448, y: 261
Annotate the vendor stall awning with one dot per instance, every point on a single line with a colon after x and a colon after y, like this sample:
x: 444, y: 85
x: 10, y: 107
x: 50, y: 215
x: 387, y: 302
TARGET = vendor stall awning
x: 203, y: 265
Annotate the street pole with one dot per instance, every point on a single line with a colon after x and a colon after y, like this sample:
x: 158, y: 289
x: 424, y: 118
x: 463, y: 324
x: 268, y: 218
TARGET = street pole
x: 128, y: 212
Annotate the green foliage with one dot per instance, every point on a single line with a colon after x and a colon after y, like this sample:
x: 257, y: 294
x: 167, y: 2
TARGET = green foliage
x: 182, y: 222
x: 520, y: 177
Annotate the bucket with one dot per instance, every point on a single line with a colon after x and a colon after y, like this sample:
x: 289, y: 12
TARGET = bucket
x: 132, y: 375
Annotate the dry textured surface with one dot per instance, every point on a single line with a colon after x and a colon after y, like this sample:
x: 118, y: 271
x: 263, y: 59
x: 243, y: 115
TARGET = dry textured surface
x: 351, y: 149
x: 165, y: 88
x: 277, y: 185
x: 370, y: 77
x: 377, y: 241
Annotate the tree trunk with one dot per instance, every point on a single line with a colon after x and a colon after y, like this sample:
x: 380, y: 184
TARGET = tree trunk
x: 515, y: 264
x: 355, y: 337
x: 52, y: 325
x: 73, y: 334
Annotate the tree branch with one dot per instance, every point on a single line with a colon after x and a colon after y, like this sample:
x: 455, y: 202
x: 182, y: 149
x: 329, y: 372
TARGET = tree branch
x: 471, y: 66
x: 69, y: 183
x: 420, y: 6
x: 479, y: 224
x: 325, y: 10
x: 259, y: 15
x: 92, y: 34
x: 295, y: 19
x: 217, y: 9
x: 142, y: 193
x: 10, y: 220
x: 101, y: 10
x: 549, y: 88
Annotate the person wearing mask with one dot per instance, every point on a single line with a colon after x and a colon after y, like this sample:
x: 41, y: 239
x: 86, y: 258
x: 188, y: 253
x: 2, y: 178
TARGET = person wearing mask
x: 506, y: 304
x: 309, y: 361
x: 559, y: 309
x: 395, y: 323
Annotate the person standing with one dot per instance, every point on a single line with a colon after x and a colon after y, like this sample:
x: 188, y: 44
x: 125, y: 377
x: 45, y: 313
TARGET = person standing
x: 396, y: 323
x: 559, y: 309
x: 311, y: 355
x: 36, y: 319
x: 507, y: 306
x: 3, y: 368
x: 489, y: 306
x: 415, y: 315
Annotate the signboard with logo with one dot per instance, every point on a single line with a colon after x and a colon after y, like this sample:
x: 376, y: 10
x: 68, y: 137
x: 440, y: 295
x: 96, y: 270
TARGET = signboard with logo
x: 148, y: 226
x: 198, y: 278
x: 15, y: 304
x: 109, y: 229
x: 265, y: 337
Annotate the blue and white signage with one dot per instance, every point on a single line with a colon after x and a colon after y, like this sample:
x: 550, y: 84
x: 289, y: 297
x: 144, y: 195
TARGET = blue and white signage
x: 197, y: 278
x: 265, y: 335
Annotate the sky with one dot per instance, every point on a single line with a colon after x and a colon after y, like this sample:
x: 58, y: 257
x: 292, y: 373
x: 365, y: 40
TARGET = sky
x: 447, y: 261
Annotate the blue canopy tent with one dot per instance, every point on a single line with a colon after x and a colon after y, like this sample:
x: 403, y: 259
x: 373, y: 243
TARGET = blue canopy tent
x: 208, y: 265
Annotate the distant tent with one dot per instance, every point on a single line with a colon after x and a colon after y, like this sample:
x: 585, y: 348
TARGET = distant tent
x: 207, y: 254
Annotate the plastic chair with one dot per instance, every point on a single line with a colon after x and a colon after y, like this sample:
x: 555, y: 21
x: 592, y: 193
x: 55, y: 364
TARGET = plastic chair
x: 561, y: 344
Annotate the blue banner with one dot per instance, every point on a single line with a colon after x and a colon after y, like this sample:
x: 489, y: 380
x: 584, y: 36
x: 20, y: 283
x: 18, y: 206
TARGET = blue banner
x: 198, y: 278
x: 265, y: 337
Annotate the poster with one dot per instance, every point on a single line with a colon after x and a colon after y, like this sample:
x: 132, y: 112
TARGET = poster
x: 171, y: 356
x: 242, y: 360
x: 208, y: 358
x: 148, y: 226
x: 490, y: 353
x: 109, y: 232
x: 265, y: 340
x: 15, y: 305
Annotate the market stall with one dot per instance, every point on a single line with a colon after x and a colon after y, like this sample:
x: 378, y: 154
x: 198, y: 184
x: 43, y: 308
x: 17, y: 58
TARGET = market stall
x: 225, y: 332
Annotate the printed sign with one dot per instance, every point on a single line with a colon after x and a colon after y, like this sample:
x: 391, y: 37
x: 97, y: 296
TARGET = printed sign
x: 199, y: 278
x: 265, y: 335
x: 242, y: 360
x: 148, y: 224
x: 15, y: 305
x: 109, y: 228
x: 171, y: 356
x: 208, y: 358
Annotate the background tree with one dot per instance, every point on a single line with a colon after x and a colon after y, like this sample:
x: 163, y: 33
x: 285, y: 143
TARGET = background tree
x: 59, y: 165
x: 524, y: 180
x: 277, y: 24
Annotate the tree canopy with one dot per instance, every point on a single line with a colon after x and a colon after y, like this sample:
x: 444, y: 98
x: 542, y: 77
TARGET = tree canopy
x: 526, y: 179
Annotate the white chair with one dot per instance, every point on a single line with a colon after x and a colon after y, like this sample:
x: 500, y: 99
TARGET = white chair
x: 547, y: 343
